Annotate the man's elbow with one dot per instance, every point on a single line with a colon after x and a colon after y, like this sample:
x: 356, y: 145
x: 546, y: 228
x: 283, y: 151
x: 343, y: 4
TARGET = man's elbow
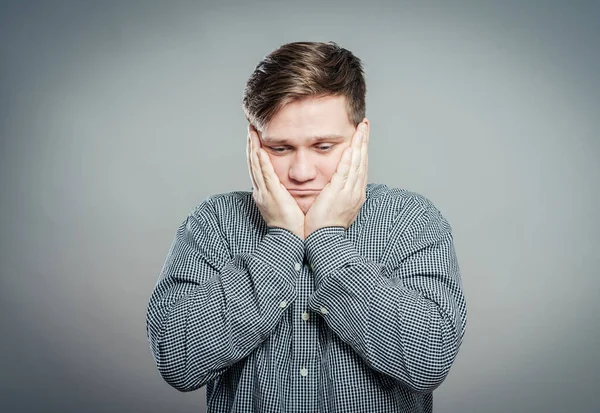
x: 174, y: 367
x: 180, y: 377
x: 429, y: 379
x: 429, y: 371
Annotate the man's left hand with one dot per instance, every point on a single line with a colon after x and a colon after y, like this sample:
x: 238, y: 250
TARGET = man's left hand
x: 340, y: 201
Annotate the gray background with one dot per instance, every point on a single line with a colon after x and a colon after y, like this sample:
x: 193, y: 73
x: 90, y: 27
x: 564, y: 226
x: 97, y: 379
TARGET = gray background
x: 117, y: 118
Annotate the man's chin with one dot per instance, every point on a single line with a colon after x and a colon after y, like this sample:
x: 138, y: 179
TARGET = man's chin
x: 304, y: 204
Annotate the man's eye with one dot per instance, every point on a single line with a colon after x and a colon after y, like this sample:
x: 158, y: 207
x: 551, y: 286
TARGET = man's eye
x: 324, y: 147
x: 278, y: 150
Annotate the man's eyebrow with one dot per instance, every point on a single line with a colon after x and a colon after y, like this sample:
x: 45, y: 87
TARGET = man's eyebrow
x: 313, y: 139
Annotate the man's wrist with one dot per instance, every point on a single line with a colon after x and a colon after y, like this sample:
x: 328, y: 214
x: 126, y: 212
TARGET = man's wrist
x: 297, y: 232
x: 310, y: 229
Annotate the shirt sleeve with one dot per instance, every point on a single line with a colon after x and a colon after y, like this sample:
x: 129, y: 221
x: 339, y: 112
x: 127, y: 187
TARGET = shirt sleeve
x: 210, y: 309
x: 405, y: 317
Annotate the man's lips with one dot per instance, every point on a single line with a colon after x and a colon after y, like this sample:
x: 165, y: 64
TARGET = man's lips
x: 304, y: 191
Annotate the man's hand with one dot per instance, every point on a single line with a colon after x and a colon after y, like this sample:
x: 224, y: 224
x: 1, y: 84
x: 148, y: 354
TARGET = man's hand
x: 339, y: 202
x: 277, y: 206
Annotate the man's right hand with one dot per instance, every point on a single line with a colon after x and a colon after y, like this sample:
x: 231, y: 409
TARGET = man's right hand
x: 277, y: 206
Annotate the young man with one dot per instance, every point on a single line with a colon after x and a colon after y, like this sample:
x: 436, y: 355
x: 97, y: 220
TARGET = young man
x: 315, y: 292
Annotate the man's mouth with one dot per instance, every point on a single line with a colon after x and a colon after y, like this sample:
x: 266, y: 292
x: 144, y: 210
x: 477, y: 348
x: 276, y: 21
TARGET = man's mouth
x: 304, y: 192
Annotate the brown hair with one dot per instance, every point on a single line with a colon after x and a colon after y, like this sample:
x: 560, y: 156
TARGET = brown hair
x: 300, y: 70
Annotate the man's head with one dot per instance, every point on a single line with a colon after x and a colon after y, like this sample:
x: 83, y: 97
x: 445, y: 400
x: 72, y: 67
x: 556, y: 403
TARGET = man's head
x: 305, y: 100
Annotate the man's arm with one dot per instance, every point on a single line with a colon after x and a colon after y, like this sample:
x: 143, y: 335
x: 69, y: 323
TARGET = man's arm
x: 210, y: 309
x: 406, y: 319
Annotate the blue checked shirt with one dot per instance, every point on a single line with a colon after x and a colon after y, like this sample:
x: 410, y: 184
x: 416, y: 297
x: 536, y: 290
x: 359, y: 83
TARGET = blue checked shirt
x: 367, y: 319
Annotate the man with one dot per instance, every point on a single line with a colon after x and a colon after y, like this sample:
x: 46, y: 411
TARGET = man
x: 315, y: 292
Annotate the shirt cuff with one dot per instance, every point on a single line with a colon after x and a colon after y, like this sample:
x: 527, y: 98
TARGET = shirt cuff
x: 283, y: 251
x: 328, y: 250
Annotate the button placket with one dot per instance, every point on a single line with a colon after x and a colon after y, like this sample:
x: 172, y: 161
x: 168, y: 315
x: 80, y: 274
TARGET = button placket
x: 305, y: 332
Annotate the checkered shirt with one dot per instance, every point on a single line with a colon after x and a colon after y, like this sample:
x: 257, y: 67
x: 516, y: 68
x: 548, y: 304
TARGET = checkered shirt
x: 368, y: 319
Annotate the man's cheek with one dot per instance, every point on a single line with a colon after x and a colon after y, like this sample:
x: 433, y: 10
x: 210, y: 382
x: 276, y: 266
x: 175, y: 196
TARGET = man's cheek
x: 331, y: 168
x: 279, y: 169
x: 333, y: 164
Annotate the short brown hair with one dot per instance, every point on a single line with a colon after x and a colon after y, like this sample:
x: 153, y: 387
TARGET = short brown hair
x: 304, y: 69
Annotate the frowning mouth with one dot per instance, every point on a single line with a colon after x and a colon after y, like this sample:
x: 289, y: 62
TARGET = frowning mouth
x: 304, y: 192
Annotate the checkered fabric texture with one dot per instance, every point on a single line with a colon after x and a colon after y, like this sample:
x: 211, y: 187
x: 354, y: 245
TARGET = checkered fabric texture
x: 368, y: 319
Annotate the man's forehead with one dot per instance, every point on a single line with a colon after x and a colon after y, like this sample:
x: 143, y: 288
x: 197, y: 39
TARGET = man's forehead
x: 309, y: 120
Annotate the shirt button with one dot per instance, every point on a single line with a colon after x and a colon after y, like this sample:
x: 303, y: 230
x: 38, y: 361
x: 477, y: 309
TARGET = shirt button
x: 305, y: 316
x: 324, y: 310
x: 303, y: 372
x: 283, y: 304
x: 298, y: 266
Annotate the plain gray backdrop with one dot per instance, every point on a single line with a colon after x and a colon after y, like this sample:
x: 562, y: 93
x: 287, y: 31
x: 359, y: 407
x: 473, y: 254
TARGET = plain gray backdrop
x: 118, y: 117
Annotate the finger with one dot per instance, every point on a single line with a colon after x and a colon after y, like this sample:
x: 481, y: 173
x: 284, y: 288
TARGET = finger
x: 367, y: 129
x: 268, y: 172
x: 362, y: 171
x: 249, y: 158
x: 256, y: 169
x: 365, y: 164
x: 353, y: 173
x: 340, y: 176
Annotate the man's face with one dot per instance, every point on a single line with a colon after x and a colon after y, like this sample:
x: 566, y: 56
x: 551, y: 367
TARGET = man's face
x: 305, y: 141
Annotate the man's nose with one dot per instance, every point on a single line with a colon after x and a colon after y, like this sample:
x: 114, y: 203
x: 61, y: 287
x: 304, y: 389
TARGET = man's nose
x: 302, y: 168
